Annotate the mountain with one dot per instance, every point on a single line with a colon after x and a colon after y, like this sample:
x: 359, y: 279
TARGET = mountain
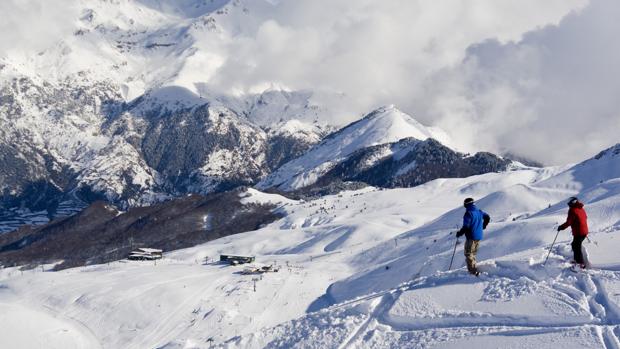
x: 363, y: 268
x: 69, y: 145
x: 112, y: 105
x: 386, y: 148
x: 115, y: 105
x: 72, y: 143
x: 139, y: 46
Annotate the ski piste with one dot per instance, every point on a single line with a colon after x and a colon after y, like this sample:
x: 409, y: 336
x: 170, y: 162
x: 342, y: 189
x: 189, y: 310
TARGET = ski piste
x: 338, y: 289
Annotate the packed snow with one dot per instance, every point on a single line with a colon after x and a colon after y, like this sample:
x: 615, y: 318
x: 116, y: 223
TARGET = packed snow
x: 366, y: 268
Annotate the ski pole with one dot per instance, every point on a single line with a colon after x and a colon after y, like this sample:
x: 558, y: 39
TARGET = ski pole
x: 453, y: 253
x: 556, y: 236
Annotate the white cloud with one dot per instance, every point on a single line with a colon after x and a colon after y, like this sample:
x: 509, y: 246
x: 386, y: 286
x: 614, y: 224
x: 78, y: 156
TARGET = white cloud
x: 31, y: 25
x: 496, y: 74
x: 410, y: 53
x: 551, y: 96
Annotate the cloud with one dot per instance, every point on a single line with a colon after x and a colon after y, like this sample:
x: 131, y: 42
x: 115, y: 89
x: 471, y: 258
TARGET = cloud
x: 537, y: 78
x: 29, y: 26
x: 435, y: 60
x: 551, y: 96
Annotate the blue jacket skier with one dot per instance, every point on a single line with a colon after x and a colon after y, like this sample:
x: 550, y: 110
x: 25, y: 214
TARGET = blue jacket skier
x: 474, y: 222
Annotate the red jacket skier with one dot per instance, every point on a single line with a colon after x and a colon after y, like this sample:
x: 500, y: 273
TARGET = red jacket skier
x: 578, y: 221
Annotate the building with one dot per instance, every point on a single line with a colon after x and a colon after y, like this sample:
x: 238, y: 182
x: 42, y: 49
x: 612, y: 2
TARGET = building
x: 146, y: 254
x: 254, y: 269
x: 234, y: 260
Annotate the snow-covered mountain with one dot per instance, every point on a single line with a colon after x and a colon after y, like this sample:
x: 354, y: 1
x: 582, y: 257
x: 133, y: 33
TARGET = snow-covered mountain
x: 385, y: 148
x: 365, y: 268
x: 68, y: 143
x: 71, y: 143
x: 112, y: 103
x: 139, y: 46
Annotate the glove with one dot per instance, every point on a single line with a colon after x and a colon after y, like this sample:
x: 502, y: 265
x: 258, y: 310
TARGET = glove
x: 460, y: 233
x: 485, y: 222
x: 559, y: 228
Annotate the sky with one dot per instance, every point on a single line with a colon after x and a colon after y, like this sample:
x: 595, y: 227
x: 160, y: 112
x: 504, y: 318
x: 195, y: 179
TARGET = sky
x: 535, y: 78
x: 552, y: 95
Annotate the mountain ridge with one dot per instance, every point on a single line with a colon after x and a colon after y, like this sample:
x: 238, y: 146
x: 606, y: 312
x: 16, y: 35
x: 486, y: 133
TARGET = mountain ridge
x: 380, y: 140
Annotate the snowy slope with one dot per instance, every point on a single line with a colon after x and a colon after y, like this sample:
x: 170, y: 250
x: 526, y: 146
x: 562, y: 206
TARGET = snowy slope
x: 601, y: 167
x: 362, y: 268
x: 384, y: 125
x: 402, y: 295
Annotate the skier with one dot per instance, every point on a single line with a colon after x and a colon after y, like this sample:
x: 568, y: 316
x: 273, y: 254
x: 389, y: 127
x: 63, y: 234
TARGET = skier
x: 474, y: 222
x: 578, y: 221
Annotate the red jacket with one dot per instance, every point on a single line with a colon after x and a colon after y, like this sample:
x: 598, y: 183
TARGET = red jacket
x: 577, y: 219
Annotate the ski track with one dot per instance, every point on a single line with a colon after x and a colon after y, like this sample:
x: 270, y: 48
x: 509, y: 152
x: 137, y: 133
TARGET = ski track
x: 608, y: 338
x: 588, y: 285
x: 378, y: 307
x: 166, y: 326
x: 75, y: 321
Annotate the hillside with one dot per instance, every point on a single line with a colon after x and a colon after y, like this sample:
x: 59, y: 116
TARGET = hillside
x: 101, y: 233
x: 364, y: 268
x: 64, y: 147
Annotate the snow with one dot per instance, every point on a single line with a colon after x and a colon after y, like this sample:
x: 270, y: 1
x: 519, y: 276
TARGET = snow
x: 604, y: 166
x: 384, y: 125
x: 365, y: 268
x: 311, y: 134
x: 255, y: 196
x: 27, y: 328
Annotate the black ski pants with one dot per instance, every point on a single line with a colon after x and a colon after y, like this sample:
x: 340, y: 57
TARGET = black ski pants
x: 576, y: 245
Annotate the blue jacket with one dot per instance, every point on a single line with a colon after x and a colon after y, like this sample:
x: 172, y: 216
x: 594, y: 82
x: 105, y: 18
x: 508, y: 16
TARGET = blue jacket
x: 474, y: 221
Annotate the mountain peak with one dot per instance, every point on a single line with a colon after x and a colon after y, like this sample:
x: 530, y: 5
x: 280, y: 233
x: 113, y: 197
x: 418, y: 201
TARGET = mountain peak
x: 384, y: 125
x: 388, y: 124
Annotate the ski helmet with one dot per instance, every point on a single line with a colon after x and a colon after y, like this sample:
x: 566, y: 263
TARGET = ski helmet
x: 572, y: 201
x: 468, y: 201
